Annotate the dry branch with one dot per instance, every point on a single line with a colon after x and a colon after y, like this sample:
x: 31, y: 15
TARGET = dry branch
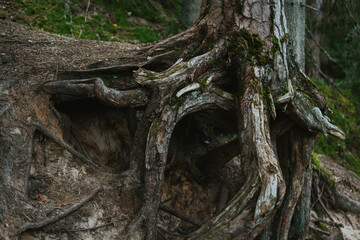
x: 82, y: 229
x: 28, y: 164
x: 331, y: 223
x: 43, y: 223
x: 65, y: 145
x: 319, y: 230
x: 180, y: 215
x: 4, y: 109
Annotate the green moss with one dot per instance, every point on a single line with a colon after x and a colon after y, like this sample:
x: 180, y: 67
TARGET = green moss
x: 154, y: 127
x: 248, y: 46
x: 176, y: 102
x: 352, y: 163
x: 144, y: 34
x: 152, y: 76
x: 203, y: 84
x: 316, y: 164
x: 323, y: 227
x: 239, y: 6
x: 106, y: 20
x: 344, y: 115
x: 276, y: 45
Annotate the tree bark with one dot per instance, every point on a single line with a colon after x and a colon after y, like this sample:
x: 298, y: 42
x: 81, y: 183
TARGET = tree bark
x: 234, y: 60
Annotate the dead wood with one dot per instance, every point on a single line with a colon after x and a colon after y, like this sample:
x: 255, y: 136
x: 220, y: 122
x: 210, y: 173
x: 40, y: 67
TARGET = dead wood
x: 45, y: 222
x: 179, y: 215
x: 65, y: 145
x: 331, y: 223
x: 28, y: 164
x: 82, y: 229
x: 4, y: 109
x: 319, y: 230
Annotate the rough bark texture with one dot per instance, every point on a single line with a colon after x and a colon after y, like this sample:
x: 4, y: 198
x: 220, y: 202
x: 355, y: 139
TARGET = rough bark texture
x: 140, y: 115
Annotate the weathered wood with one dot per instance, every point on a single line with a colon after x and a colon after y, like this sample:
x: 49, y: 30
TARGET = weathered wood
x: 95, y: 87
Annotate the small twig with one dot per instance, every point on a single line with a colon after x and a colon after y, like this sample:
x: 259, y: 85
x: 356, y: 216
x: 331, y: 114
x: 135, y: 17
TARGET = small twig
x: 310, y: 7
x: 28, y: 226
x: 161, y: 233
x: 179, y: 215
x: 87, y: 10
x: 56, y: 139
x: 347, y: 217
x: 4, y: 109
x: 318, y: 195
x: 169, y: 233
x: 78, y: 142
x: 331, y: 223
x: 331, y: 83
x: 327, y: 212
x: 356, y: 25
x: 56, y: 112
x: 320, y: 231
x: 82, y: 229
x: 57, y: 72
x: 28, y: 164
x: 25, y: 42
x: 325, y: 52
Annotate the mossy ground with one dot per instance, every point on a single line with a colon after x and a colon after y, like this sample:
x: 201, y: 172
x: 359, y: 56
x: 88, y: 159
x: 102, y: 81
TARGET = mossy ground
x: 135, y: 21
x: 344, y: 114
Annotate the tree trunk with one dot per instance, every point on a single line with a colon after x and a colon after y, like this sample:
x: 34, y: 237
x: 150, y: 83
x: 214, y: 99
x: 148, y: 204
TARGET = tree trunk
x: 138, y: 115
x: 295, y: 16
x: 190, y: 11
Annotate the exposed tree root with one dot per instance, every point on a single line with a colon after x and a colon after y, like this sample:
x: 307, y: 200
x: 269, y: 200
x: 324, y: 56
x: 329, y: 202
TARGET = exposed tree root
x: 83, y: 229
x: 179, y: 215
x: 236, y: 60
x: 300, y: 160
x: 347, y: 204
x: 43, y: 223
x: 109, y: 96
x: 28, y: 164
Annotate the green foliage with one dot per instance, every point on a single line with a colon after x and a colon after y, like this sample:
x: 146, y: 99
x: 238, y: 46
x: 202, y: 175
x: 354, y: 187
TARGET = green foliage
x: 108, y: 20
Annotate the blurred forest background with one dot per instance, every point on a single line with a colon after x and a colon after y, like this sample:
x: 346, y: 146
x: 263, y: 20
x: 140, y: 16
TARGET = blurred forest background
x: 332, y: 47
